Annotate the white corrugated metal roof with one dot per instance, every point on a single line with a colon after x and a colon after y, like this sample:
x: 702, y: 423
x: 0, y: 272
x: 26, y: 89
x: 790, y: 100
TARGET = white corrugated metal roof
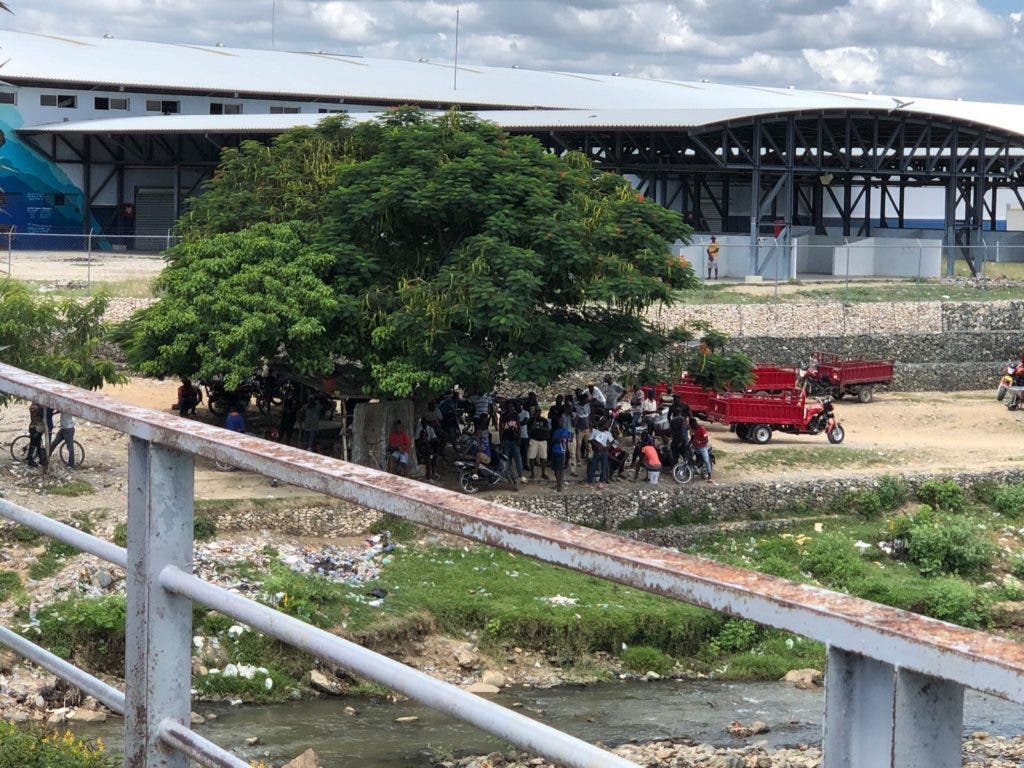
x: 136, y: 64
x: 574, y: 100
x: 521, y: 118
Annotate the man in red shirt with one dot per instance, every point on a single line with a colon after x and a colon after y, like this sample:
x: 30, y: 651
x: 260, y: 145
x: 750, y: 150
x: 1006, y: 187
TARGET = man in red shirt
x: 399, y: 444
x: 699, y: 443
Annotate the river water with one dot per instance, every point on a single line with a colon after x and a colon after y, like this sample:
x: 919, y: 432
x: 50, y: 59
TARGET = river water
x: 608, y: 712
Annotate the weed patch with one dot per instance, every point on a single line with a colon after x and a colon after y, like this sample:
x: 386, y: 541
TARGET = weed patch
x: 75, y: 487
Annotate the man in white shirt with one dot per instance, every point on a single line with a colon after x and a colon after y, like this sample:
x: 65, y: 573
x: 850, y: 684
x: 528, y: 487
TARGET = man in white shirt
x: 612, y: 391
x: 600, y: 439
x: 66, y: 435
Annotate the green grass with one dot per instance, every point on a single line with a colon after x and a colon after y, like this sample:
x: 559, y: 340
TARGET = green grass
x: 829, y: 558
x: 51, y: 561
x: 10, y: 585
x: 71, y: 488
x: 133, y: 288
x: 820, y: 457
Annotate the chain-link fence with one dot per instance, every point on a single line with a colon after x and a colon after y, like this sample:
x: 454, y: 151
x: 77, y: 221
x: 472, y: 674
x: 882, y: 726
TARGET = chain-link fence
x: 123, y: 265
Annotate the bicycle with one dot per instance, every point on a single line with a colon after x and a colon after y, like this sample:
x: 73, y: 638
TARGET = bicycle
x: 20, y: 444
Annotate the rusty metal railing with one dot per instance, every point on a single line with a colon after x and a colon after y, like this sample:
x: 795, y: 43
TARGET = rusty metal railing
x: 894, y: 683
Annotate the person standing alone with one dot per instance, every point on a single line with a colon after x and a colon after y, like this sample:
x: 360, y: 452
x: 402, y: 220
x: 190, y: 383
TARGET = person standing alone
x: 713, y: 257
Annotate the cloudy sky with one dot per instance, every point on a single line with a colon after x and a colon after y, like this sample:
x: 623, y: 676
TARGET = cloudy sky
x: 947, y: 48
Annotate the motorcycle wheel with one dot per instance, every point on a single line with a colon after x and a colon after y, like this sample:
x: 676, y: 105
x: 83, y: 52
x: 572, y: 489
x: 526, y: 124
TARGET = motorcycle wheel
x: 682, y: 472
x: 217, y: 407
x: 467, y: 483
x: 836, y: 435
x: 1000, y: 392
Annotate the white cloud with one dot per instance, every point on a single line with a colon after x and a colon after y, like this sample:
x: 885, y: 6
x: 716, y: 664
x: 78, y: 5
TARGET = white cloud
x: 925, y: 47
x: 848, y: 67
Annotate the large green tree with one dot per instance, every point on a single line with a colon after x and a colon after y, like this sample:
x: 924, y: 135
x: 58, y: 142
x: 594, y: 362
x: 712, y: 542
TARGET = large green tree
x: 424, y: 251
x: 59, y: 338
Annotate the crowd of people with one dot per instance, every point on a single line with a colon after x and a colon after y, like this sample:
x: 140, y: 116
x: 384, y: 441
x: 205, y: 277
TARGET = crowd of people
x: 600, y: 432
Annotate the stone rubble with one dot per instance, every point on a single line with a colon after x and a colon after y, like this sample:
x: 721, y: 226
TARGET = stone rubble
x: 980, y: 751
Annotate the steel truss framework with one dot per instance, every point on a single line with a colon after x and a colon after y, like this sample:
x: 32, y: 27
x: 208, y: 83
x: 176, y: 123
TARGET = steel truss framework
x: 105, y: 159
x: 789, y: 165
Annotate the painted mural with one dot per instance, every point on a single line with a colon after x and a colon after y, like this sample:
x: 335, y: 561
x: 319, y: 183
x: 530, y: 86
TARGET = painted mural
x: 38, y: 198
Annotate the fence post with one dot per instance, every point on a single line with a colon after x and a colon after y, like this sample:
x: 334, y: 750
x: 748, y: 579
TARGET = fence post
x: 10, y: 247
x: 877, y: 716
x: 847, y: 269
x: 158, y: 668
x: 88, y: 262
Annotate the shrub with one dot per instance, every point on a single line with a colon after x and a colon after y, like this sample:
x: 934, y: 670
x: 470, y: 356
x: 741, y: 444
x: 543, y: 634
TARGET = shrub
x: 397, y: 528
x: 777, y: 566
x: 892, y: 492
x: 1009, y: 501
x: 984, y: 491
x: 736, y: 635
x: 833, y: 561
x: 945, y: 495
x: 866, y: 504
x: 956, y: 601
x: 643, y: 658
x: 939, y: 544
x: 89, y: 631
x: 782, y: 547
x: 203, y: 528
x: 35, y: 747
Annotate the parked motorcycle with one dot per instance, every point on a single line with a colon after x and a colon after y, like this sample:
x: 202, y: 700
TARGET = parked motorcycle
x: 825, y: 421
x: 221, y: 400
x: 690, y: 464
x: 473, y: 478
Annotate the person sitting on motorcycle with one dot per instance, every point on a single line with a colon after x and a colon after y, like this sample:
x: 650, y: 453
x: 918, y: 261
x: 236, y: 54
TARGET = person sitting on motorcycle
x: 699, y: 444
x: 679, y: 431
x: 480, y: 448
x: 189, y: 396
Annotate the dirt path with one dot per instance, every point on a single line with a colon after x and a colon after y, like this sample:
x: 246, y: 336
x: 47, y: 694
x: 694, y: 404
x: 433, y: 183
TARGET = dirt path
x: 910, y: 432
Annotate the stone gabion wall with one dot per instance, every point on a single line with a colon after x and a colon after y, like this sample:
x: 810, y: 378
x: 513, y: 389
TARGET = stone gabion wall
x: 295, y: 517
x: 743, y: 501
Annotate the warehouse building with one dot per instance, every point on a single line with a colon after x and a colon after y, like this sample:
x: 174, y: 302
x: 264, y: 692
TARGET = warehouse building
x: 113, y: 136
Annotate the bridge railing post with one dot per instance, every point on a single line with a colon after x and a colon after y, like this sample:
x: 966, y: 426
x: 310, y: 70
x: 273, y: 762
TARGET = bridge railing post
x: 158, y: 628
x: 880, y: 716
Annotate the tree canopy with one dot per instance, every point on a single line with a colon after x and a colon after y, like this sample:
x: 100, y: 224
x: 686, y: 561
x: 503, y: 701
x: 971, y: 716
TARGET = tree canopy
x: 424, y: 251
x: 61, y: 339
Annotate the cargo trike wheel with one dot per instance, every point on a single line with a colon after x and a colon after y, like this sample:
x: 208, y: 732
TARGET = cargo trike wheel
x: 761, y: 434
x: 742, y: 431
x: 865, y: 394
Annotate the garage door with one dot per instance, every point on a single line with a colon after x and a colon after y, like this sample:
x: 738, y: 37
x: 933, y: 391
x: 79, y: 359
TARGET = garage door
x: 154, y: 216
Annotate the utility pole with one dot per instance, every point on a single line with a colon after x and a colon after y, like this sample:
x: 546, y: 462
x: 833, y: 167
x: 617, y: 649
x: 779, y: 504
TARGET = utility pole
x: 455, y: 77
x: 273, y: 24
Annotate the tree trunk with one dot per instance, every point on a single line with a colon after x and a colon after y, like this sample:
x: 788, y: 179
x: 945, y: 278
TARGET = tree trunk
x: 371, y: 425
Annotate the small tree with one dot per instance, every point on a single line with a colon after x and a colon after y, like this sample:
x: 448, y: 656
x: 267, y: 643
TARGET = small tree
x: 61, y: 339
x: 442, y: 251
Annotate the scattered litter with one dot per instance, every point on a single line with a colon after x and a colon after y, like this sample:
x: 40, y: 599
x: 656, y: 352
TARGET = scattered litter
x: 559, y: 600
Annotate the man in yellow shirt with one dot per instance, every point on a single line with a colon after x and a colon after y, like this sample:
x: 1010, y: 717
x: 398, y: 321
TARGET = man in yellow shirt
x: 713, y: 257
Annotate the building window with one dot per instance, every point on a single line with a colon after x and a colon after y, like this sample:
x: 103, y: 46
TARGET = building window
x: 165, y: 107
x: 61, y: 100
x: 284, y: 110
x: 323, y: 111
x: 104, y: 103
x: 219, y: 108
x: 8, y: 97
